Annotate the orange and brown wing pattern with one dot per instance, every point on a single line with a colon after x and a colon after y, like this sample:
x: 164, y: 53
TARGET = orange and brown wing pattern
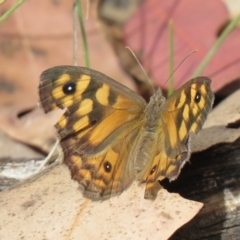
x: 161, y: 167
x: 185, y: 111
x: 98, y: 112
x: 108, y: 173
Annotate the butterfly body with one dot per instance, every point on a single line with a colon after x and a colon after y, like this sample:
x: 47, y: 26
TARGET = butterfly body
x: 149, y: 131
x: 110, y: 136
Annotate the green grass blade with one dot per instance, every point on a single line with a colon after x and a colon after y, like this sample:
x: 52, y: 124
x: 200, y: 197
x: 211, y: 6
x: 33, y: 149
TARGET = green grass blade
x: 11, y: 10
x: 216, y: 46
x: 83, y: 32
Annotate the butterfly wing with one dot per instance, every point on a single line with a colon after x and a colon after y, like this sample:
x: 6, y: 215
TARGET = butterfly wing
x: 100, y: 116
x: 183, y: 112
x: 107, y: 173
x: 186, y: 110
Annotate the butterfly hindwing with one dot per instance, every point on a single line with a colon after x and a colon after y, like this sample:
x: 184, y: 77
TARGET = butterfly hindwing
x: 161, y: 167
x: 108, y: 173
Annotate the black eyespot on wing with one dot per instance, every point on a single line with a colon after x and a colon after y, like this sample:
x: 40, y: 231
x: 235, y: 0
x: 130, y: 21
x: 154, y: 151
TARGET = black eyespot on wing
x: 107, y: 166
x: 69, y: 88
x: 197, y: 98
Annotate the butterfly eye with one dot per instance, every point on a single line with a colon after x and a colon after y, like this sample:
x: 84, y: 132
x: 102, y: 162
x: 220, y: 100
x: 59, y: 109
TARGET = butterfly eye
x: 69, y: 88
x: 153, y: 170
x: 197, y: 97
x: 107, y: 167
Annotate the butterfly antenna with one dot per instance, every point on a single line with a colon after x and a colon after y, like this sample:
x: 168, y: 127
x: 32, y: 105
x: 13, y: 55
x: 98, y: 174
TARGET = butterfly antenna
x: 179, y: 65
x: 141, y: 66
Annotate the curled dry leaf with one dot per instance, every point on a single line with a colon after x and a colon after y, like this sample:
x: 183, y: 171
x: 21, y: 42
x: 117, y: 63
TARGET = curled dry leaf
x: 34, y: 128
x: 52, y: 207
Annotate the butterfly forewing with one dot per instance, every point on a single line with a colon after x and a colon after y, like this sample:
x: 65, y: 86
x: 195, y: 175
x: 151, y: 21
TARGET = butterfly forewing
x: 185, y: 111
x: 93, y: 101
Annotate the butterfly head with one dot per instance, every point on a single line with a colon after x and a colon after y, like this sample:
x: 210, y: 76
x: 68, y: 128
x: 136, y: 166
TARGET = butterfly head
x: 157, y: 99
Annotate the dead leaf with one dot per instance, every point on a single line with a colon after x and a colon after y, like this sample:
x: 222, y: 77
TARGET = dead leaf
x: 32, y: 41
x: 226, y: 112
x: 52, y: 207
x: 216, y: 128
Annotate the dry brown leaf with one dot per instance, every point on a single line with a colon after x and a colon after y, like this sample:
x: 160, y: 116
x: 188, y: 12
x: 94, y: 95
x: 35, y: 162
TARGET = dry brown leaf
x: 32, y: 41
x: 52, y: 207
x: 228, y: 111
x: 35, y: 128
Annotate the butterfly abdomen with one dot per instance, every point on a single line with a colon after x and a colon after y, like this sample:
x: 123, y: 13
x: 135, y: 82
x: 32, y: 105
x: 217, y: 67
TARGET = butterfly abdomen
x: 149, y: 134
x: 144, y: 149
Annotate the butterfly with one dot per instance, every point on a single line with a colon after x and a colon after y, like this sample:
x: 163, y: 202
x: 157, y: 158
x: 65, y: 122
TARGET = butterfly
x: 110, y: 136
